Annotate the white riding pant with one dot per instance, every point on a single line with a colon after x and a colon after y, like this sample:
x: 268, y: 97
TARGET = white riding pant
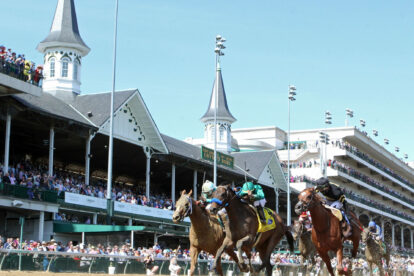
x: 335, y: 204
x: 220, y: 212
x: 261, y: 202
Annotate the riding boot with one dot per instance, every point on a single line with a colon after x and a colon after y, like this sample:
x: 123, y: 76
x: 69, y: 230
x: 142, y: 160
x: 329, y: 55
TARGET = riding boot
x: 261, y: 214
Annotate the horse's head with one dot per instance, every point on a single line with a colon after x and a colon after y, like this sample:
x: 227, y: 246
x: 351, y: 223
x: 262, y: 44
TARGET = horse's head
x: 183, y: 207
x: 221, y: 198
x: 297, y: 229
x: 365, y: 235
x: 307, y: 198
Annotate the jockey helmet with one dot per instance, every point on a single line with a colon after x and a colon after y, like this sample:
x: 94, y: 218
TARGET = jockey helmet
x: 372, y: 224
x: 208, y: 187
x: 303, y: 215
x: 322, y: 183
x: 249, y: 186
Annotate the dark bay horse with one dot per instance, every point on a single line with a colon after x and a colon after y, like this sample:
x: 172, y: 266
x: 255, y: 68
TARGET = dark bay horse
x: 326, y: 230
x: 306, y: 247
x: 205, y: 232
x: 241, y: 230
x: 374, y: 253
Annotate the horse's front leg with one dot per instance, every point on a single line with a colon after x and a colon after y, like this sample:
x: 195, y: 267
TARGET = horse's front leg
x: 339, y: 266
x: 239, y: 245
x: 219, y: 252
x: 194, y: 257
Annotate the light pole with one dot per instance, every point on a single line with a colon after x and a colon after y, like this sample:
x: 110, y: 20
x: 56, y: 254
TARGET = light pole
x: 350, y: 114
x: 111, y: 125
x: 328, y: 121
x: 219, y: 52
x: 291, y: 98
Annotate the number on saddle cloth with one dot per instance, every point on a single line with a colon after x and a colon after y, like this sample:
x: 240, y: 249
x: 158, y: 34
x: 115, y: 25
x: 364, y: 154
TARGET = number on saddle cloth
x: 270, y: 221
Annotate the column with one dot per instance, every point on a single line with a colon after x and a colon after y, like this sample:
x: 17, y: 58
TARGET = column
x: 7, y: 143
x: 83, y: 238
x: 195, y: 185
x: 132, y: 238
x: 383, y: 227
x: 402, y: 236
x: 277, y: 200
x: 41, y: 225
x: 130, y: 222
x: 173, y: 183
x: 411, y: 238
x: 147, y: 177
x: 88, y: 159
x: 393, y: 234
x: 95, y: 218
x: 51, y: 148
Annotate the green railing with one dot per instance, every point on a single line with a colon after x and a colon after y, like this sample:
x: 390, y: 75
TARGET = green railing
x: 28, y: 193
x: 87, y: 263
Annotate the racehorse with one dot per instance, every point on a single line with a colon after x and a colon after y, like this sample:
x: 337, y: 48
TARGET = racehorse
x: 206, y: 233
x: 326, y: 230
x: 374, y: 253
x: 241, y: 230
x: 306, y: 247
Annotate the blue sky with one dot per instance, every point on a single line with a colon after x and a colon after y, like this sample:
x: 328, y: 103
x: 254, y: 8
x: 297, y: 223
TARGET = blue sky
x: 339, y: 54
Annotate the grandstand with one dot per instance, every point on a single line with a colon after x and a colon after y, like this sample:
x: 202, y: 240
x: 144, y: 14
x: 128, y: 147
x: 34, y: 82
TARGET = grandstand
x: 54, y: 165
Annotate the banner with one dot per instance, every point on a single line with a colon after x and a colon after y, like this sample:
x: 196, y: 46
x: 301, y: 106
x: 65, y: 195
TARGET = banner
x: 144, y: 211
x: 84, y: 200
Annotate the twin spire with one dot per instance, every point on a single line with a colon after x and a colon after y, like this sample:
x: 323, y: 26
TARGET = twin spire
x: 223, y: 112
x: 64, y: 31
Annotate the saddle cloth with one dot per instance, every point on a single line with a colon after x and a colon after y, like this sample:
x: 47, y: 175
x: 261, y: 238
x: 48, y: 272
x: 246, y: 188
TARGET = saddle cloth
x: 337, y: 213
x: 270, y: 221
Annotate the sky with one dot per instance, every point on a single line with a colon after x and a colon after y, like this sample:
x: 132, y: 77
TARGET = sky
x: 339, y: 54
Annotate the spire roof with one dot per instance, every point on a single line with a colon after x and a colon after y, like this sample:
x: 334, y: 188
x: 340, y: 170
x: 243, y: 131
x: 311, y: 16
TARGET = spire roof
x: 64, y: 31
x: 223, y: 112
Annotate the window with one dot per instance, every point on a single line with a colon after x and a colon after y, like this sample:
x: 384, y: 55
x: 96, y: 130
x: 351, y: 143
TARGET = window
x: 65, y: 65
x: 212, y: 132
x: 75, y: 70
x: 221, y: 132
x: 52, y: 68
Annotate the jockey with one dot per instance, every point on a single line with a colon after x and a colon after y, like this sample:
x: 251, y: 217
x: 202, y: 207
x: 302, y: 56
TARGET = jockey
x: 256, y: 196
x: 306, y: 220
x: 336, y: 199
x: 376, y: 231
x: 206, y: 192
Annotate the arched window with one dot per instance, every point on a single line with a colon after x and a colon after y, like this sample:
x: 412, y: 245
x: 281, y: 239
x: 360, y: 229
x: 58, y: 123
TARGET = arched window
x: 212, y: 132
x: 65, y: 66
x: 221, y: 133
x: 75, y: 70
x: 52, y: 68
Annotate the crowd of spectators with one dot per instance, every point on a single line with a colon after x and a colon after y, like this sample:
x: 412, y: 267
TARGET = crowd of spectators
x: 303, y: 164
x: 35, y: 178
x: 17, y: 66
x: 364, y: 178
x: 354, y: 150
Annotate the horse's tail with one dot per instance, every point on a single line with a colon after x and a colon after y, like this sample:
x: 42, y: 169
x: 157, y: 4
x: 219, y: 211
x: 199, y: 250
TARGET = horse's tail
x: 290, y: 240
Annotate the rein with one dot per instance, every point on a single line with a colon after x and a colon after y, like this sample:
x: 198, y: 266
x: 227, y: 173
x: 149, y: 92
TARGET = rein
x: 220, y: 203
x: 190, y: 209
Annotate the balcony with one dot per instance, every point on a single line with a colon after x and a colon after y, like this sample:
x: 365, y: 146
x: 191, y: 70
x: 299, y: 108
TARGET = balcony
x: 358, y: 156
x: 371, y: 184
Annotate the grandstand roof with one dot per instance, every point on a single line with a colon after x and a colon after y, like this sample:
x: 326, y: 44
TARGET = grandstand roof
x: 52, y: 106
x: 98, y: 104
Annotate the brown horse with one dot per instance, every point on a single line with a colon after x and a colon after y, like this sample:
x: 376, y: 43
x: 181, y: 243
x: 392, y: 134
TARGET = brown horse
x: 326, y: 230
x: 206, y: 233
x: 306, y: 247
x: 241, y: 230
x: 374, y: 252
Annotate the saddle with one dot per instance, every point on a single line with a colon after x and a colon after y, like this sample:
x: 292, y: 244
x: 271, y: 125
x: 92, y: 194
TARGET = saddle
x: 270, y: 221
x: 336, y: 212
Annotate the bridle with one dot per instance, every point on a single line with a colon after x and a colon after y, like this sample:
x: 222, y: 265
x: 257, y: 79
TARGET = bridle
x: 308, y: 204
x: 222, y: 203
x: 189, y: 211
